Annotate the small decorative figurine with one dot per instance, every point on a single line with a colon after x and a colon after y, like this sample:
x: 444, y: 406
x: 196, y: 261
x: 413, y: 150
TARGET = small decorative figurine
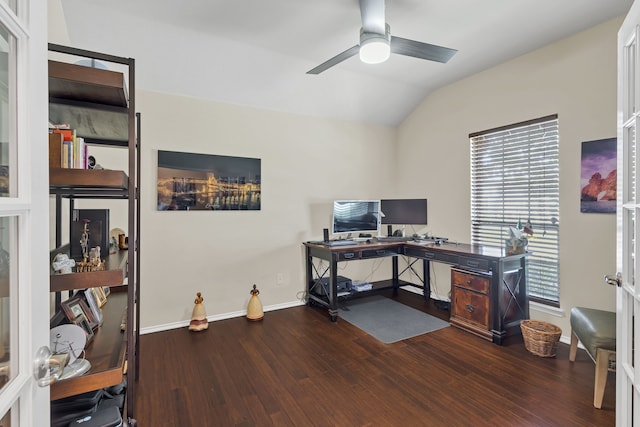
x: 517, y: 241
x: 62, y: 264
x: 254, y: 309
x: 91, y: 261
x: 123, y: 242
x: 92, y: 163
x: 84, y: 239
x: 199, y: 320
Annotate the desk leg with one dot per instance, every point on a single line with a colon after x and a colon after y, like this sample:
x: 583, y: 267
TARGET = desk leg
x: 309, y: 275
x: 333, y: 291
x: 395, y: 279
x: 426, y: 279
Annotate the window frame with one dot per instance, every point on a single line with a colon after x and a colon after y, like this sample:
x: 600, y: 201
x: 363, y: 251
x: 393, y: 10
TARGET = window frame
x: 498, y: 181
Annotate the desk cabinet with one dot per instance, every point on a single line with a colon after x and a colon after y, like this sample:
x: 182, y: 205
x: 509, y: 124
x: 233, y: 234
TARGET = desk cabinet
x: 490, y: 304
x: 470, y: 302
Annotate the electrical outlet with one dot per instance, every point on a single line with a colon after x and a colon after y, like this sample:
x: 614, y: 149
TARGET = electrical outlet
x: 280, y: 279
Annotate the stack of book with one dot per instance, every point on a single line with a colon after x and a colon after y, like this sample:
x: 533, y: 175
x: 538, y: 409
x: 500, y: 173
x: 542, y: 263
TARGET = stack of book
x: 66, y: 150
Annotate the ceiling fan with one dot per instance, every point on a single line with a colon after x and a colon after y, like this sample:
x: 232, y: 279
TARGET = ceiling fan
x: 376, y: 42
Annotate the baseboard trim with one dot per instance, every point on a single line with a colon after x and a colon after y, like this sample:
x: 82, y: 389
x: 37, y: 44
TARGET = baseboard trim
x: 213, y: 318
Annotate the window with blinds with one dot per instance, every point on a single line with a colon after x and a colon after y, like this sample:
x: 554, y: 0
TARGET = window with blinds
x: 515, y: 180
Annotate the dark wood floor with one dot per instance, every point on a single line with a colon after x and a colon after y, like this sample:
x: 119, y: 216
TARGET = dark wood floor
x: 296, y: 368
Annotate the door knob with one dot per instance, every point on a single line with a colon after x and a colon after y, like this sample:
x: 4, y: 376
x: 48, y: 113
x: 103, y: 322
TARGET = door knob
x: 614, y: 281
x: 43, y: 364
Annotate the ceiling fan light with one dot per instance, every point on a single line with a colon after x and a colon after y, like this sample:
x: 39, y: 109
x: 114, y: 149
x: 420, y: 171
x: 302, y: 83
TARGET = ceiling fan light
x: 374, y: 50
x: 375, y: 47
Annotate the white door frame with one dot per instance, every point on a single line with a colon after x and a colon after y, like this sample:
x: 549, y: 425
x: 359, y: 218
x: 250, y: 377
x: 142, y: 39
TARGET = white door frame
x: 627, y: 227
x: 28, y: 143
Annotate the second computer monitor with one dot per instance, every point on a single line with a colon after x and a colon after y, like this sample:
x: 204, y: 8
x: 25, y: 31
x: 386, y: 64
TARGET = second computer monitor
x: 404, y: 211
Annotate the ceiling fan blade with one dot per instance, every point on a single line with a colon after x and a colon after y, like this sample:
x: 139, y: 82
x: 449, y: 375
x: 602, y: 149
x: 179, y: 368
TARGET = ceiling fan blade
x: 335, y: 60
x: 372, y: 14
x: 421, y: 50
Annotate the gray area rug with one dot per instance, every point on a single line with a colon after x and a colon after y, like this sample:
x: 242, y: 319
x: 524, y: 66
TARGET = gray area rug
x: 387, y: 320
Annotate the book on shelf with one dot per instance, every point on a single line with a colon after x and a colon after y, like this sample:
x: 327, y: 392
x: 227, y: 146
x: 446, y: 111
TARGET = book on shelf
x: 67, y: 134
x: 72, y: 149
x: 79, y: 153
x: 56, y: 147
x: 67, y: 153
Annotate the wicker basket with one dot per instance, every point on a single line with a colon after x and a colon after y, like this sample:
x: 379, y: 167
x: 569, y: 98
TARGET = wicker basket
x: 540, y: 338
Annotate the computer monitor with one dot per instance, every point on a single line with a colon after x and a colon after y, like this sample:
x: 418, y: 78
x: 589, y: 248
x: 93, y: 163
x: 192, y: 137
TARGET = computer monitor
x: 356, y: 216
x: 404, y: 211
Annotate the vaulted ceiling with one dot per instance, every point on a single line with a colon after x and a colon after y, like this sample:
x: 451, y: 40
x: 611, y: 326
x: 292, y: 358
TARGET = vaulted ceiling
x: 256, y: 52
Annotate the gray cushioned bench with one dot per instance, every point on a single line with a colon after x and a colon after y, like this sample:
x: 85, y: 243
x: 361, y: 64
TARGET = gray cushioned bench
x: 596, y: 330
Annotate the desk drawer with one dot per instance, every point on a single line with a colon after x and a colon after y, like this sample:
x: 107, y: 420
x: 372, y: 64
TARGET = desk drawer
x: 472, y: 281
x: 475, y: 263
x: 447, y: 258
x: 470, y: 306
x: 348, y: 255
x: 419, y: 253
x: 377, y: 253
x: 435, y: 255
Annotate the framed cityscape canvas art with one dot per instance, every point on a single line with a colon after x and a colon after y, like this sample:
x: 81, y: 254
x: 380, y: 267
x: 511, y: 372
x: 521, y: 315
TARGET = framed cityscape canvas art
x: 189, y: 181
x: 599, y: 176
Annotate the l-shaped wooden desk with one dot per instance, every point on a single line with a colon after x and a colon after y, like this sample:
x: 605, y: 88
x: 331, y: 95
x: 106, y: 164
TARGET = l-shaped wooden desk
x: 488, y: 287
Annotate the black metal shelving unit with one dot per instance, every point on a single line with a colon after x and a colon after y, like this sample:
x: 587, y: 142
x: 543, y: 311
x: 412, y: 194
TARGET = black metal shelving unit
x: 100, y: 105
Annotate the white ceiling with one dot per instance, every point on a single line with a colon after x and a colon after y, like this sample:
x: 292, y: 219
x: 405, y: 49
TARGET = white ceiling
x: 256, y: 52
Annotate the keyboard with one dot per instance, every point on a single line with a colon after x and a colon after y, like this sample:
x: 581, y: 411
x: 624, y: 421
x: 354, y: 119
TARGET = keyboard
x: 341, y: 242
x: 394, y: 239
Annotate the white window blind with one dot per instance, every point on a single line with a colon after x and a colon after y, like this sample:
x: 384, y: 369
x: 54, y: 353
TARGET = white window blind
x: 515, y: 179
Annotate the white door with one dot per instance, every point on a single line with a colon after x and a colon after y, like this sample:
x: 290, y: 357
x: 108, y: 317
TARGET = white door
x: 628, y: 294
x: 24, y: 227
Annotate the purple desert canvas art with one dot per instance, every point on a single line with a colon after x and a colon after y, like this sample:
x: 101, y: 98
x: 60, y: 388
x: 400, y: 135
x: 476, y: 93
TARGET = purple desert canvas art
x: 599, y: 176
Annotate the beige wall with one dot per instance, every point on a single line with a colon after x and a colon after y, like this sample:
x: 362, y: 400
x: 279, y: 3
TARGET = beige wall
x: 575, y: 78
x: 306, y: 163
x: 56, y: 25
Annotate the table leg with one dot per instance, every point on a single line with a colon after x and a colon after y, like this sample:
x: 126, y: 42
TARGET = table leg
x: 395, y: 279
x: 426, y: 279
x: 333, y: 291
x: 309, y: 275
